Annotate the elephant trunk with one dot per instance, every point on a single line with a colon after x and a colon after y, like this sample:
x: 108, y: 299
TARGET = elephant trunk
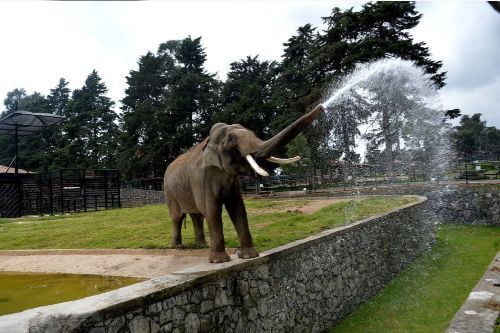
x: 289, y: 133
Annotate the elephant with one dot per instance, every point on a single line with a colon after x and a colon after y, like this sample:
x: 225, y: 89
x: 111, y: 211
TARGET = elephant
x: 206, y: 177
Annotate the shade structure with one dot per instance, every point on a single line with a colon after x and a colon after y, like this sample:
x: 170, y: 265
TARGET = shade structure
x: 27, y: 123
x: 23, y: 123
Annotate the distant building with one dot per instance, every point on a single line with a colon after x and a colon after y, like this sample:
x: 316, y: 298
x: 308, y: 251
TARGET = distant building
x: 6, y: 169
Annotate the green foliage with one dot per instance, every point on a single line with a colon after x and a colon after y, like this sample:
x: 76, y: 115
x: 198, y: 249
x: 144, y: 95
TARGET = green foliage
x: 246, y: 95
x: 168, y: 107
x: 90, y: 129
x: 472, y: 135
x: 312, y: 61
x: 298, y: 147
x: 150, y: 226
x: 426, y: 296
x: 171, y: 101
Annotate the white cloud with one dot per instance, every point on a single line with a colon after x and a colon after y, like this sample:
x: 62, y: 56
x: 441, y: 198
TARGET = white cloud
x: 466, y: 37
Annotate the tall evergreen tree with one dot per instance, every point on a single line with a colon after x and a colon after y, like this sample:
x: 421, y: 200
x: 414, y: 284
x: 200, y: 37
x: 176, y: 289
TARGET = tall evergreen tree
x: 378, y: 30
x: 168, y: 107
x: 246, y: 95
x: 294, y: 85
x: 191, y: 97
x: 55, y: 136
x: 91, y: 129
x: 142, y: 149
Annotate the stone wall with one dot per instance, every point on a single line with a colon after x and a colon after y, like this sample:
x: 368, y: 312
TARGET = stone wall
x: 475, y: 204
x: 131, y: 197
x: 304, y: 286
x: 449, y: 203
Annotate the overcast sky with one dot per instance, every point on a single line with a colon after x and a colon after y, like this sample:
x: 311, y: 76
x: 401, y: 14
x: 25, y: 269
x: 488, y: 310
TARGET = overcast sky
x: 43, y: 41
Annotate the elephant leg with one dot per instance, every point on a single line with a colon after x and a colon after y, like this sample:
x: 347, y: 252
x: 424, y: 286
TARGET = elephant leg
x: 213, y: 215
x: 177, y: 217
x: 198, y: 230
x: 238, y: 214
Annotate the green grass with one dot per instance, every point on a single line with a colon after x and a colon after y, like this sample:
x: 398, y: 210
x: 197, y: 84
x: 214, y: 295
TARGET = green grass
x: 426, y: 296
x: 272, y: 222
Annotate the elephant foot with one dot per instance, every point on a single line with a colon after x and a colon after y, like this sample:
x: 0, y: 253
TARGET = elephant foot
x: 247, y: 253
x: 176, y: 244
x: 201, y: 244
x: 218, y: 257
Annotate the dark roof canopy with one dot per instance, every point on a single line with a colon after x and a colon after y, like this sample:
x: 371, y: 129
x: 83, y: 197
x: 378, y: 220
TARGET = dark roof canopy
x: 28, y: 123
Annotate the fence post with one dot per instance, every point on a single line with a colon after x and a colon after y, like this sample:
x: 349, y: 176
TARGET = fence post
x: 105, y: 189
x: 119, y: 189
x: 40, y: 196
x: 61, y: 190
x: 51, y: 195
x: 84, y: 185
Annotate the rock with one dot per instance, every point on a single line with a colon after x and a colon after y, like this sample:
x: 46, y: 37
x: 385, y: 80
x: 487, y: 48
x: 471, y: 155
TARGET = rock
x: 139, y: 324
x: 192, y: 323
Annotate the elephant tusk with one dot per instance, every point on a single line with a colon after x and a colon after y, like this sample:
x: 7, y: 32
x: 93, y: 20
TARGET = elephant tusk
x: 283, y: 160
x: 256, y: 167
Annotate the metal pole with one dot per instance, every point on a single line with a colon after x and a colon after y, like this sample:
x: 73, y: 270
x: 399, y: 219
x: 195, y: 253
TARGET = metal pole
x: 119, y: 189
x: 17, y: 151
x: 84, y: 186
x: 18, y: 181
x: 61, y: 189
x: 105, y: 189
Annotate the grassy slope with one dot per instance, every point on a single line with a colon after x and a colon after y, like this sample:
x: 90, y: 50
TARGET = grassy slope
x: 426, y: 296
x: 150, y: 226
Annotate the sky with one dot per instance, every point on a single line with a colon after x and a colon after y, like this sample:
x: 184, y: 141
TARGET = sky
x: 44, y: 41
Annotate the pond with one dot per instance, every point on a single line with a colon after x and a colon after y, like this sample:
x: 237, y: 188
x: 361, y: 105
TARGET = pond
x: 21, y: 291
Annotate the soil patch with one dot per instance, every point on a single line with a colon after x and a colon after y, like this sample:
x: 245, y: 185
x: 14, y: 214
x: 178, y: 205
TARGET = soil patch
x: 139, y: 263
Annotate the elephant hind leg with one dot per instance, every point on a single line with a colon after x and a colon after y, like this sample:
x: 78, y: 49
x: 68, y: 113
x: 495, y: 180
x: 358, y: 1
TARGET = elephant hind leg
x: 177, y: 217
x: 199, y: 234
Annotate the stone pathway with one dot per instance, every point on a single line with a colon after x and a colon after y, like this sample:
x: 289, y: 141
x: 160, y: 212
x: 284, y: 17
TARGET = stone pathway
x: 482, y: 308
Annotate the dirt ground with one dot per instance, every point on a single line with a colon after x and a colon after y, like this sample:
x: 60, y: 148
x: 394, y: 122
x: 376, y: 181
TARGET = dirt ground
x: 140, y: 263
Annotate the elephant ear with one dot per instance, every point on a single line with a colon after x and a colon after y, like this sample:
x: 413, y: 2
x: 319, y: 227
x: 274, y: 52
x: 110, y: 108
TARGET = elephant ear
x: 210, y: 156
x: 210, y: 146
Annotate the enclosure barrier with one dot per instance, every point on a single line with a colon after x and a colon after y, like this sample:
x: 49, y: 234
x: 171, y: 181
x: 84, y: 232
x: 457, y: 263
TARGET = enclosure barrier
x: 59, y: 191
x: 307, y: 285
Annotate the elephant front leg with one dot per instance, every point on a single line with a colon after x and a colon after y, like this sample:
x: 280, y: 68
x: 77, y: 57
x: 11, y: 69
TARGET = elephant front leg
x: 238, y: 214
x: 217, y: 246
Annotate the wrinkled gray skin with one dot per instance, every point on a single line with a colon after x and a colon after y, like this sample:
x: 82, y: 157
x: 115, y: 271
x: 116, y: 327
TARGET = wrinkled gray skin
x: 205, y: 178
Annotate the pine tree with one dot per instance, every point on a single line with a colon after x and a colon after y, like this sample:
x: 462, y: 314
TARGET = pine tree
x: 142, y: 150
x: 91, y: 129
x: 191, y: 97
x: 293, y: 91
x: 378, y: 30
x: 246, y: 95
x: 168, y: 107
x: 55, y: 136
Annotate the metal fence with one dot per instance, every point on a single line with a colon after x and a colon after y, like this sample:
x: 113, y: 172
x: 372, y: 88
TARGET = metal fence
x: 59, y: 191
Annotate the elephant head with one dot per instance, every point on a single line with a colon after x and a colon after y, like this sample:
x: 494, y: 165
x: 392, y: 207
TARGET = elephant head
x: 237, y: 150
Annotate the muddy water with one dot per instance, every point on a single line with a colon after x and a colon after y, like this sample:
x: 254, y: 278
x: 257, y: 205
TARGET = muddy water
x: 21, y: 291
